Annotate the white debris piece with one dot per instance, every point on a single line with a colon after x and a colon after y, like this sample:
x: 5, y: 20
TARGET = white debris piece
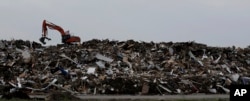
x: 18, y: 82
x: 217, y: 60
x: 178, y: 91
x: 248, y: 62
x: 84, y: 78
x: 12, y: 84
x: 2, y: 82
x: 226, y: 67
x: 168, y: 90
x: 109, y: 71
x: 100, y: 64
x: 225, y: 89
x: 234, y: 77
x: 51, y: 83
x: 200, y: 63
x: 228, y: 81
x: 64, y: 56
x: 204, y: 55
x: 192, y: 56
x: 47, y: 65
x: 2, y: 45
x: 91, y: 70
x: 186, y: 82
x: 25, y: 54
x: 171, y: 50
x: 228, y: 70
x: 70, y: 91
x: 212, y: 90
x: 101, y: 57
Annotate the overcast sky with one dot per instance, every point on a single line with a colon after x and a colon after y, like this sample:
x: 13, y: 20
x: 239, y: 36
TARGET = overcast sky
x: 212, y: 22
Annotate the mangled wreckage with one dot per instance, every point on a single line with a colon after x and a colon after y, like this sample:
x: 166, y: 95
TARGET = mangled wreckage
x: 127, y: 67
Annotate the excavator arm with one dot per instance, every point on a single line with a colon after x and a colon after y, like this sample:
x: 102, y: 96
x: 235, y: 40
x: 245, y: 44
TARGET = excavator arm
x: 66, y: 37
x: 51, y: 26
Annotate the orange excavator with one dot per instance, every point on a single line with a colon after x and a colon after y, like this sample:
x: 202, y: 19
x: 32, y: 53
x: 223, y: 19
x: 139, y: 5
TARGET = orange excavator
x: 66, y: 37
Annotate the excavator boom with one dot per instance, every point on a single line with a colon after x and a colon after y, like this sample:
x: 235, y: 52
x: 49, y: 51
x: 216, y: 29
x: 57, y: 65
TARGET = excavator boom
x: 66, y: 37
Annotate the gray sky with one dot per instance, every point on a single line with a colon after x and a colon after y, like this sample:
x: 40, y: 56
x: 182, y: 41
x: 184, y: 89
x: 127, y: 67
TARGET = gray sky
x: 212, y: 22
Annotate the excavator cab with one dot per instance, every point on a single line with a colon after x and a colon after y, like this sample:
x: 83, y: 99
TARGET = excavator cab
x: 73, y: 39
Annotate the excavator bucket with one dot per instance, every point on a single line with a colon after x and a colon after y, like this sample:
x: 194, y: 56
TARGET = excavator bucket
x: 42, y: 39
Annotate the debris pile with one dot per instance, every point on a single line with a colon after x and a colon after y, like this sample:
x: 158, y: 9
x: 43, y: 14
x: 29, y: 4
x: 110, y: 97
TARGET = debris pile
x: 126, y: 67
x: 61, y: 96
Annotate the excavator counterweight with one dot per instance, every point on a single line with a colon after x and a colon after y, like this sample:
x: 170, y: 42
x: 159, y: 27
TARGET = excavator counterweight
x: 66, y: 37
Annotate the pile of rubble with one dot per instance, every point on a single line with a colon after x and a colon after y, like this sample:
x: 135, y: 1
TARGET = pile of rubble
x: 127, y: 67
